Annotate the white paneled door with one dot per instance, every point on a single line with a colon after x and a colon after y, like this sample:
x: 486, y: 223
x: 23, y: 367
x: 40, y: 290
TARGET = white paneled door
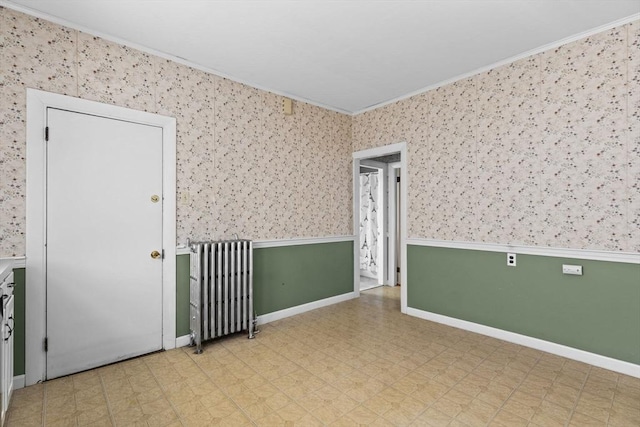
x: 103, y: 241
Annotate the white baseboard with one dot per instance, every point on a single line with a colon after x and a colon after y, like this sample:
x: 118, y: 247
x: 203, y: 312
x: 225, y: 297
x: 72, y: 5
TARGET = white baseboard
x: 18, y: 381
x: 299, y: 309
x: 183, y: 341
x: 547, y: 346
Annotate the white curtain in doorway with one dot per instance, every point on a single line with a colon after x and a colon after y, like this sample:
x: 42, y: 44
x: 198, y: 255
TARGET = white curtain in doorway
x: 369, y: 223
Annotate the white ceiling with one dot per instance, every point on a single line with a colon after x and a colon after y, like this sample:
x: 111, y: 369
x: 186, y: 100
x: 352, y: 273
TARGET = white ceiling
x: 346, y: 55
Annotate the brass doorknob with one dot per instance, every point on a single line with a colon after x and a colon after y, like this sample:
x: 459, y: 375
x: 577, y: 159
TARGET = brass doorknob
x: 155, y: 254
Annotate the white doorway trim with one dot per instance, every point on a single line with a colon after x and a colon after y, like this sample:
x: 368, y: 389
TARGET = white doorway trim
x: 392, y: 208
x: 400, y: 147
x: 35, y: 304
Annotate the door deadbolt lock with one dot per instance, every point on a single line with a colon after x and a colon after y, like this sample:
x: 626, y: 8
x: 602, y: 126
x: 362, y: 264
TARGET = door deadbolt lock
x: 155, y: 198
x: 155, y: 254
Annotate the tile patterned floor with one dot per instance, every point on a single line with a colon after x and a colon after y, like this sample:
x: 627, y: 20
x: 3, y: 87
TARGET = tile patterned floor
x: 356, y: 363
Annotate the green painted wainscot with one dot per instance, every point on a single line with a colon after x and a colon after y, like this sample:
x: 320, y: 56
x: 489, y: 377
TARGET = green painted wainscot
x: 284, y: 277
x: 598, y: 312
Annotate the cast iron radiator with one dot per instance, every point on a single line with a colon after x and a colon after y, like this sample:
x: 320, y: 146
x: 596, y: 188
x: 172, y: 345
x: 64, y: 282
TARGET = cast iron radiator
x: 221, y: 290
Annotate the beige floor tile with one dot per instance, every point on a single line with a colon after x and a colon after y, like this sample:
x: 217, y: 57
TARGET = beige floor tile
x: 627, y: 396
x: 404, y: 412
x: 85, y: 380
x: 28, y: 421
x: 621, y: 414
x: 592, y: 411
x: 472, y: 385
x: 477, y: 413
x: 413, y: 382
x: 327, y: 413
x: 149, y: 395
x: 92, y: 415
x: 571, y: 378
x: 102, y: 422
x: 632, y: 409
x: 61, y: 422
x: 627, y: 381
x: 384, y: 400
x: 90, y: 392
x: 450, y: 376
x: 344, y: 366
x: 236, y: 418
x: 507, y: 419
x: 562, y: 395
x: 457, y: 423
x: 550, y: 414
x: 223, y: 408
x: 59, y: 411
x: 129, y: 416
x: 343, y: 422
x: 448, y: 407
x: 120, y: 405
x: 31, y: 409
x: 495, y: 394
x: 362, y: 415
x: 473, y: 357
x: 196, y: 407
x: 202, y: 419
x: 488, y: 369
x: 522, y: 404
x: 292, y: 412
x: 580, y: 420
x: 432, y: 417
x: 119, y: 389
x: 271, y: 420
x: 381, y: 422
x: 59, y: 386
x: 536, y: 386
x: 179, y: 393
x: 259, y: 410
x: 307, y: 420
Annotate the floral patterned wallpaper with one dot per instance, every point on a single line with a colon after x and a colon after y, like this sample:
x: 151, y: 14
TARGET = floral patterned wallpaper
x: 544, y: 151
x: 243, y: 167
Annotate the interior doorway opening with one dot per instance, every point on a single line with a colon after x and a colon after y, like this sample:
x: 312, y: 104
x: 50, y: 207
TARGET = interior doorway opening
x: 380, y: 218
x: 373, y: 221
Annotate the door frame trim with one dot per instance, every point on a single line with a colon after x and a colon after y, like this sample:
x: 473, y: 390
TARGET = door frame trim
x: 400, y: 147
x: 35, y: 304
x: 392, y: 207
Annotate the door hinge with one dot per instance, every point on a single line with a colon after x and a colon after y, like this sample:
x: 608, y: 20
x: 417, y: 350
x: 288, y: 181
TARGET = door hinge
x: 46, y: 133
x: 398, y: 269
x: 397, y: 179
x: 46, y: 344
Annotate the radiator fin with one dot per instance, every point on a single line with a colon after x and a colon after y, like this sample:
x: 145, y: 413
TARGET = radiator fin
x: 221, y: 290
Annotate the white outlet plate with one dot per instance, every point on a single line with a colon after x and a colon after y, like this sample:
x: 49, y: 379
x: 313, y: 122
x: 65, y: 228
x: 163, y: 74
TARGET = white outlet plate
x: 576, y: 270
x: 511, y: 260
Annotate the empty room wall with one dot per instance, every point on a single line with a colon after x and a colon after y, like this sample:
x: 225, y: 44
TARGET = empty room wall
x: 243, y: 166
x: 542, y: 152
